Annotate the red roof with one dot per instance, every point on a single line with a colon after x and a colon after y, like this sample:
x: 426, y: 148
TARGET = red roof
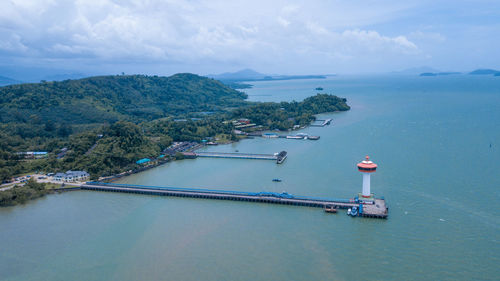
x: 367, y: 164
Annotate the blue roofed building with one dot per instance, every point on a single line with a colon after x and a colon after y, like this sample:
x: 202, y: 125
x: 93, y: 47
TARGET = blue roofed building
x: 143, y: 161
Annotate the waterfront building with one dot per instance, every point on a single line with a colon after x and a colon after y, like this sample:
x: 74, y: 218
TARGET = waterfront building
x: 143, y: 161
x: 33, y: 154
x: 72, y: 176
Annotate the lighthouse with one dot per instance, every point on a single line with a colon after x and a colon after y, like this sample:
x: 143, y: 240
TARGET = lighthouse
x: 366, y: 167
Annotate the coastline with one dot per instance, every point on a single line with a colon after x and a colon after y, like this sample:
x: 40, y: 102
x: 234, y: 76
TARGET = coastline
x: 123, y: 175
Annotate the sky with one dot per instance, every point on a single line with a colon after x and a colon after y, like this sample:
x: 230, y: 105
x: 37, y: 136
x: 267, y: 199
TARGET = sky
x: 163, y: 37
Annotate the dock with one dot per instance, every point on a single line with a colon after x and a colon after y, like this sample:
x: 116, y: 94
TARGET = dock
x: 278, y: 157
x: 374, y: 209
x: 323, y: 123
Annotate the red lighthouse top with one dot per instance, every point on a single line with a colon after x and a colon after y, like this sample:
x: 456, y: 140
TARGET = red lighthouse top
x: 367, y: 166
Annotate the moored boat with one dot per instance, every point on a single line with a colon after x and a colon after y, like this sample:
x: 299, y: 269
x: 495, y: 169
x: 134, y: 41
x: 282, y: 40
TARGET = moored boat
x: 330, y: 209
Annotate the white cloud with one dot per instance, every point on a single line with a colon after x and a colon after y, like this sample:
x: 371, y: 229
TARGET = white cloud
x: 242, y: 32
x: 283, y: 22
x: 434, y: 37
x: 12, y: 43
x: 373, y: 41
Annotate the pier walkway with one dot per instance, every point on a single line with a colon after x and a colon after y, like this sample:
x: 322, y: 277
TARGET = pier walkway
x: 278, y: 157
x: 376, y: 210
x: 236, y: 155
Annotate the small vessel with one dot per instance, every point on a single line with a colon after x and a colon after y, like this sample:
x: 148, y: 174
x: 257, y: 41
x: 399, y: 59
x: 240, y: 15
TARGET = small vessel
x: 313, y: 137
x: 276, y: 180
x: 330, y: 209
x: 270, y: 135
x: 353, y: 212
x: 319, y: 89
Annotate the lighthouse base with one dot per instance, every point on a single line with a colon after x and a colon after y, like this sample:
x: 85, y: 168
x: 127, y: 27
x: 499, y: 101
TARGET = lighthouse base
x: 366, y: 198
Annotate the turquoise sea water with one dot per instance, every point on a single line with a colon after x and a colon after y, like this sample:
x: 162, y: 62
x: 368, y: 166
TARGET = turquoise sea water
x: 431, y: 137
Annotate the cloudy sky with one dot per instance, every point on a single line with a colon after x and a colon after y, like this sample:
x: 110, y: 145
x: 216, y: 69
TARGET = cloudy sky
x: 212, y: 36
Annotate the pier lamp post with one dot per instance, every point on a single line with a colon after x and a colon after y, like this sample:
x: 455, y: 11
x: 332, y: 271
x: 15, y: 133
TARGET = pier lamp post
x: 366, y: 167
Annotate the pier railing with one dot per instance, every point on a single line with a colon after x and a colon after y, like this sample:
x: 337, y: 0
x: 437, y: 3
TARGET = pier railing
x: 220, y: 191
x: 379, y: 210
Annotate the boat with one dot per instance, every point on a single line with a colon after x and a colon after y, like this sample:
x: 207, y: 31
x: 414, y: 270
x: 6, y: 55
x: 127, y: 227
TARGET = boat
x: 313, y: 137
x: 270, y: 135
x: 295, y: 137
x: 319, y: 89
x: 353, y: 212
x: 330, y: 209
x: 276, y: 180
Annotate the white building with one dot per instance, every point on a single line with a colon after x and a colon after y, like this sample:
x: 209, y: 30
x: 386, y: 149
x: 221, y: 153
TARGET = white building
x: 72, y: 176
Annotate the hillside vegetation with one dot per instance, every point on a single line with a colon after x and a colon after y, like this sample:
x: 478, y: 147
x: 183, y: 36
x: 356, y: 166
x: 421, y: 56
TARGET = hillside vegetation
x: 105, y: 124
x: 112, y: 98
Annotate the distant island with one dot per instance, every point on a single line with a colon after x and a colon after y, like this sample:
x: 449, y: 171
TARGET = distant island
x: 416, y: 70
x: 484, y: 72
x: 439, y: 73
x: 4, y: 81
x: 233, y: 78
x: 105, y: 124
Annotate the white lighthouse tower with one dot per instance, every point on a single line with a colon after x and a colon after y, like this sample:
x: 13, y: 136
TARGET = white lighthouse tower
x: 367, y: 167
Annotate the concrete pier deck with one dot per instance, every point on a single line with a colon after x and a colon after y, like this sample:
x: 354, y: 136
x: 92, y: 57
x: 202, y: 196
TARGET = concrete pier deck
x: 377, y: 210
x: 236, y: 155
x: 278, y: 157
x: 324, y: 122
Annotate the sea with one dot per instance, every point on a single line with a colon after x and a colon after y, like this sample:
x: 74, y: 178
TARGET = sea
x: 436, y: 141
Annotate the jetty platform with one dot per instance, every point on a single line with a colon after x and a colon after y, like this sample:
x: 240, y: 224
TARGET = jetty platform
x: 278, y: 157
x: 323, y: 123
x: 374, y: 209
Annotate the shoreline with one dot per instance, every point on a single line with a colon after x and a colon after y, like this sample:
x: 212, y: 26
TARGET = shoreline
x: 247, y: 137
x: 159, y: 162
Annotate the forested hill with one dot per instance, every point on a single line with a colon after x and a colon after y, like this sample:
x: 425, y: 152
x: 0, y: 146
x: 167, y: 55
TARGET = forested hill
x: 106, y: 99
x: 103, y: 125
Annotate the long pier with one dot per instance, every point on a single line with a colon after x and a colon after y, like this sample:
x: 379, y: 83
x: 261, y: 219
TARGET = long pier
x: 374, y: 209
x: 278, y: 157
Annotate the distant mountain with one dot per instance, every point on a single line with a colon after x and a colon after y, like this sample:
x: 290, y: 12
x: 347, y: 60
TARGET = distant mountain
x: 34, y: 74
x: 104, y: 99
x: 244, y: 74
x: 484, y: 71
x: 417, y: 70
x: 64, y: 76
x: 428, y: 74
x: 439, y: 73
x: 252, y: 75
x: 4, y: 81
